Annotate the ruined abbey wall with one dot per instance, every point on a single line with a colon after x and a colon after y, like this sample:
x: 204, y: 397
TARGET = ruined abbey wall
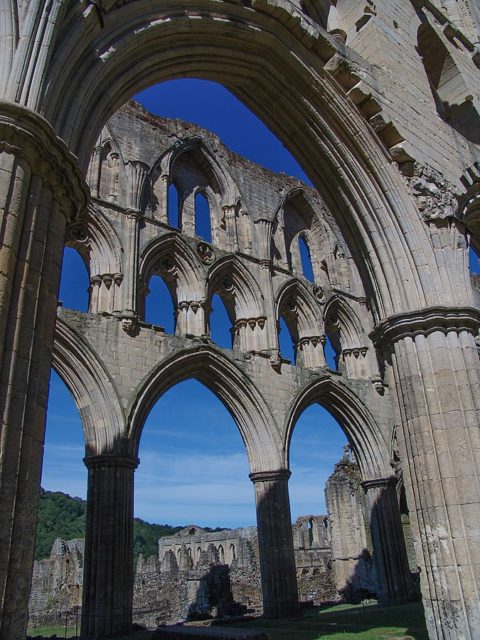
x: 379, y: 102
x: 197, y: 572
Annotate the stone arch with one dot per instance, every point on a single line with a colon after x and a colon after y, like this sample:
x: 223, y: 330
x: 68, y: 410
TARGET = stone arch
x: 209, y: 159
x: 356, y: 178
x: 304, y: 319
x: 171, y: 257
x: 195, y: 169
x: 94, y: 392
x: 354, y: 351
x: 235, y: 390
x: 106, y: 175
x: 299, y: 218
x: 370, y: 448
x: 101, y: 250
x: 242, y: 298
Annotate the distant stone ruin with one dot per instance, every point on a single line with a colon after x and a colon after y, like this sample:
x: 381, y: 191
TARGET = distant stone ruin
x: 198, y: 573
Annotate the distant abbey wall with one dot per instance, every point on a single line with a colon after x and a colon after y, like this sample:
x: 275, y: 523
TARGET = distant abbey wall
x: 202, y: 573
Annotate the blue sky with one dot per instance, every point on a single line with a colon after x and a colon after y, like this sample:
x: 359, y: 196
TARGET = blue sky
x: 193, y: 465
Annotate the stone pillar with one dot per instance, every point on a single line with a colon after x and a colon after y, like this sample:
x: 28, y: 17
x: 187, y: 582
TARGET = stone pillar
x: 108, y: 571
x: 345, y: 498
x: 275, y: 542
x: 191, y: 318
x: 163, y: 213
x: 263, y: 229
x: 436, y: 372
x: 230, y: 214
x: 137, y: 174
x: 40, y: 186
x: 130, y: 282
x: 93, y: 174
x: 389, y: 550
x: 311, y: 351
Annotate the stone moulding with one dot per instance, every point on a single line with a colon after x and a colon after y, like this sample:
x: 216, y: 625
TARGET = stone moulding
x: 29, y: 136
x: 424, y: 322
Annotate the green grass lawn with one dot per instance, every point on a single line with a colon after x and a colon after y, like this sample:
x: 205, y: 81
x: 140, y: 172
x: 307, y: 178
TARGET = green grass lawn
x: 348, y: 622
x: 340, y: 622
x: 49, y: 631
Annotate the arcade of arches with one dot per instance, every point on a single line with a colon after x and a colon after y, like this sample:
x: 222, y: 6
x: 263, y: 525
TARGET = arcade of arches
x: 379, y: 102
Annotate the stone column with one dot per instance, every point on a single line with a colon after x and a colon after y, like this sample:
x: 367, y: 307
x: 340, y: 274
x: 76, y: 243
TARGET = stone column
x: 436, y: 372
x: 230, y: 214
x: 40, y: 186
x: 93, y: 174
x: 311, y: 351
x: 389, y: 551
x: 108, y: 570
x: 263, y: 229
x: 163, y: 213
x: 275, y: 541
x: 130, y: 282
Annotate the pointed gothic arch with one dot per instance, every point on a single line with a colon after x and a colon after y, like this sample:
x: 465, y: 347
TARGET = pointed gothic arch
x: 301, y: 311
x: 102, y: 415
x: 173, y: 259
x: 365, y: 200
x: 364, y: 434
x: 233, y: 388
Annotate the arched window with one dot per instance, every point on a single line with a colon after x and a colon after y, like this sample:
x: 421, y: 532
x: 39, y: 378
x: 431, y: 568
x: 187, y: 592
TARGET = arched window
x: 159, y: 307
x: 220, y: 323
x: 306, y: 259
x: 202, y: 218
x: 173, y: 212
x: 74, y: 281
x: 285, y: 341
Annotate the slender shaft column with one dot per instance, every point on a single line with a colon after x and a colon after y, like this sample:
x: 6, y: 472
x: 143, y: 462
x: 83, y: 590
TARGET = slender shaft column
x: 162, y: 214
x: 389, y: 551
x: 130, y: 282
x: 436, y: 374
x: 230, y: 213
x: 40, y: 186
x: 108, y: 571
x: 275, y: 541
x: 263, y: 231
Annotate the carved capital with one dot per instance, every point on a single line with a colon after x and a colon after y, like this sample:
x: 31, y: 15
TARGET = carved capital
x: 424, y: 322
x: 94, y: 462
x: 30, y: 137
x: 281, y: 475
x: 379, y: 483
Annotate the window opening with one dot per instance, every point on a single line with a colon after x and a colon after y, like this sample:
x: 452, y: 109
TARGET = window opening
x: 220, y: 323
x: 306, y: 259
x: 202, y: 218
x: 74, y: 281
x: 159, y: 307
x: 285, y: 341
x: 173, y: 212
